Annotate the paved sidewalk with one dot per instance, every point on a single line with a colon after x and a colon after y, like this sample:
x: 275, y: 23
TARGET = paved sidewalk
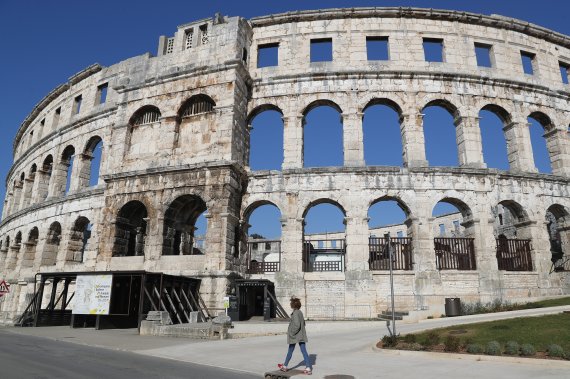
x: 343, y: 350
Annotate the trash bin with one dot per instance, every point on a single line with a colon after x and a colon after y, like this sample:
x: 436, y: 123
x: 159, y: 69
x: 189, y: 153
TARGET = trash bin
x: 452, y: 306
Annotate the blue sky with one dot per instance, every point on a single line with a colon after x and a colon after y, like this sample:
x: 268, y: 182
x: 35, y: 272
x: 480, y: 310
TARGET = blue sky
x: 44, y: 43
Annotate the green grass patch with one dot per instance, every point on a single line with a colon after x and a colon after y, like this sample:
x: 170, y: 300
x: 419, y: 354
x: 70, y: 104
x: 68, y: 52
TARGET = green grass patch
x: 504, y: 306
x: 541, y: 332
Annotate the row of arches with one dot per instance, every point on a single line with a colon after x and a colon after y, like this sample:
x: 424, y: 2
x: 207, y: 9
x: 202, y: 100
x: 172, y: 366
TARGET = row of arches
x: 55, y: 178
x: 382, y: 130
x: 184, y: 228
x: 22, y: 252
x: 325, y: 234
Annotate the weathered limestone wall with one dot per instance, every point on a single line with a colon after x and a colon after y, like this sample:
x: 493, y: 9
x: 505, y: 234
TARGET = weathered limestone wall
x: 206, y: 154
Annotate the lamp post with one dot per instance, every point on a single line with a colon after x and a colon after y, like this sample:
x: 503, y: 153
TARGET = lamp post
x: 390, y: 258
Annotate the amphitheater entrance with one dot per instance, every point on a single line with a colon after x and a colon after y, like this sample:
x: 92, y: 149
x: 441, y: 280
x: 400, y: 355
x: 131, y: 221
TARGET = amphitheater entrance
x: 255, y: 299
x: 111, y: 299
x: 558, y: 226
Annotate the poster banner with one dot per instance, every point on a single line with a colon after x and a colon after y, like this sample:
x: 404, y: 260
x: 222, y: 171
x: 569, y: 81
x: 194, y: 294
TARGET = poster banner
x: 92, y: 294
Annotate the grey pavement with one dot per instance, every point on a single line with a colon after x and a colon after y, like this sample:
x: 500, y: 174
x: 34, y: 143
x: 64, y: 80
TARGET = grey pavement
x: 344, y: 348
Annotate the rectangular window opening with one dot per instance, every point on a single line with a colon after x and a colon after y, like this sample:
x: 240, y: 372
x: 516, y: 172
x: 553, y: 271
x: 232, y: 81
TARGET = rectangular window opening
x: 321, y: 50
x: 433, y: 49
x: 441, y: 229
x: 400, y: 233
x: 268, y: 55
x: 528, y: 62
x: 189, y: 38
x: 204, y: 34
x: 56, y: 117
x: 377, y: 48
x: 564, y: 68
x: 102, y: 93
x: 77, y: 104
x: 267, y: 246
x: 483, y: 54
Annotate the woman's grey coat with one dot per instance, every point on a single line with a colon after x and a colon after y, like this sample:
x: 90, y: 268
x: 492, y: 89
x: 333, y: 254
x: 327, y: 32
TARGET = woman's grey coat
x: 296, y: 332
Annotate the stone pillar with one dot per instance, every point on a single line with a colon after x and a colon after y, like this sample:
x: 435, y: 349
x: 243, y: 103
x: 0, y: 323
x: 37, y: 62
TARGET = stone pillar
x: 83, y: 170
x: 469, y: 146
x: 357, y: 255
x: 292, y: 142
x: 42, y: 186
x: 292, y: 245
x: 18, y: 187
x: 353, y: 141
x: 413, y: 145
x: 540, y: 242
x: 27, y: 192
x: 59, y: 180
x: 7, y: 205
x: 559, y: 150
x: 519, y: 148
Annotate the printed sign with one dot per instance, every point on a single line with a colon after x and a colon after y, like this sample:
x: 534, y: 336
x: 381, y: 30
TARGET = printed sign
x: 4, y: 288
x: 92, y: 294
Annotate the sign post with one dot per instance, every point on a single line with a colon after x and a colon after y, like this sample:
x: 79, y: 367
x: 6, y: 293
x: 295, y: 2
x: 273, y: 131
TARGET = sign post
x: 4, y: 288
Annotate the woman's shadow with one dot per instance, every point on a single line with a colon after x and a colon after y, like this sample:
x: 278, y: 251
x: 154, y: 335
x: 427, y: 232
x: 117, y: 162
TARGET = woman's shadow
x: 312, y: 357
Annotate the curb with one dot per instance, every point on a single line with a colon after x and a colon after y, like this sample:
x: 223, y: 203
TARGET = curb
x: 475, y: 357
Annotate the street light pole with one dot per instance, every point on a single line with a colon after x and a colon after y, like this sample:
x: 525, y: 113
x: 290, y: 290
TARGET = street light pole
x: 390, y: 258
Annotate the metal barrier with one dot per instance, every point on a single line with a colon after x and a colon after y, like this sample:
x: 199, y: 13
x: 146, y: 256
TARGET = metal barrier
x: 455, y: 253
x: 401, y: 251
x: 514, y: 254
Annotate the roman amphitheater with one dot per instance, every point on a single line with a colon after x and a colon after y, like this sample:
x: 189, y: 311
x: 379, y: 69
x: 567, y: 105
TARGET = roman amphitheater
x: 171, y: 134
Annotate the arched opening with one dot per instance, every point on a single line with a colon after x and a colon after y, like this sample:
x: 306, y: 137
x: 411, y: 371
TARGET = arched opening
x: 266, y: 139
x: 92, y: 161
x: 192, y: 124
x: 439, y: 133
x: 558, y: 227
x: 322, y: 135
x: 78, y: 239
x: 539, y: 123
x: 144, y: 126
x: 324, y: 236
x: 45, y: 177
x: 28, y: 186
x: 512, y: 237
x: 30, y: 248
x: 130, y: 230
x: 390, y: 235
x: 382, y: 135
x: 263, y: 238
x: 67, y: 161
x: 181, y: 230
x: 51, y: 247
x: 492, y: 120
x: 454, y: 233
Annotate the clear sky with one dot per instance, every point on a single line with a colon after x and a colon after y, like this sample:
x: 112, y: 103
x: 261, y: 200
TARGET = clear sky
x: 44, y: 43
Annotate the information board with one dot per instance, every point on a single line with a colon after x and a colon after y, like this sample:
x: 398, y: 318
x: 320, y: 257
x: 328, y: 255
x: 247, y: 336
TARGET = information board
x: 92, y: 294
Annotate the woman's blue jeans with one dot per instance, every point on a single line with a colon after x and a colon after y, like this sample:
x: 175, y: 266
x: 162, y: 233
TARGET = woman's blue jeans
x: 303, y: 350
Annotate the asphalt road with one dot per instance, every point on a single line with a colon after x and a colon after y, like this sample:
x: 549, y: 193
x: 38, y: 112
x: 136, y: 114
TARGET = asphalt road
x: 24, y: 357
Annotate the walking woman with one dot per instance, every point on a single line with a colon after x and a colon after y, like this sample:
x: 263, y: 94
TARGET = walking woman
x: 296, y: 334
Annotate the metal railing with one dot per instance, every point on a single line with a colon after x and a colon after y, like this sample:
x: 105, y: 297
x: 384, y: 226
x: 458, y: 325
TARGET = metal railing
x: 514, y: 254
x: 323, y: 248
x: 401, y: 250
x: 455, y: 253
x: 262, y: 267
x: 258, y: 247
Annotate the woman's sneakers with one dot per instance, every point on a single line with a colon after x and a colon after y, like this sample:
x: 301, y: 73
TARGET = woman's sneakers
x: 307, y: 371
x: 282, y: 367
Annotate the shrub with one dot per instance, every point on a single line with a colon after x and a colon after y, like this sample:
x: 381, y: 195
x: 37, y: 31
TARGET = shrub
x: 389, y: 341
x: 474, y: 348
x: 452, y: 343
x: 527, y: 350
x: 410, y: 338
x: 567, y: 355
x: 493, y: 348
x: 431, y: 339
x: 415, y: 346
x: 512, y: 348
x: 555, y: 351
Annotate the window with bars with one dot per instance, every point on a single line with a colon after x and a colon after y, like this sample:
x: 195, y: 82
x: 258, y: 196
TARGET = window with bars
x: 198, y: 104
x: 170, y: 45
x: 204, y: 34
x: 147, y: 117
x: 189, y: 38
